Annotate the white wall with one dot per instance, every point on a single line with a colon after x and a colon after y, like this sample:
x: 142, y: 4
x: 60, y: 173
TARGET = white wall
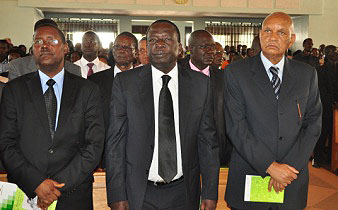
x: 17, y: 23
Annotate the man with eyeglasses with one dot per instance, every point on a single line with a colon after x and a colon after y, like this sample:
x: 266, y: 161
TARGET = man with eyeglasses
x: 89, y: 61
x: 202, y: 54
x: 52, y: 128
x: 27, y: 64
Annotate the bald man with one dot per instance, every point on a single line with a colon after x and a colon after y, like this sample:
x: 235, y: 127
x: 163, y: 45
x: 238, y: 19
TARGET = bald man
x: 273, y: 117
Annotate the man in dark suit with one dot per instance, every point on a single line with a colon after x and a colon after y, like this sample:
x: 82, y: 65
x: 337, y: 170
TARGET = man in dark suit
x: 124, y: 52
x: 52, y: 129
x: 155, y: 151
x: 273, y: 118
x: 202, y: 53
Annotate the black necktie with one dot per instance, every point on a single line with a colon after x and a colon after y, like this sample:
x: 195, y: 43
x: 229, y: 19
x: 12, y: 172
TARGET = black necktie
x: 167, y: 154
x: 50, y: 100
x: 275, y: 81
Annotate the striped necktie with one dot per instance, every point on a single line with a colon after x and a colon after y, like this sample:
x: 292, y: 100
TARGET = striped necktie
x: 275, y: 81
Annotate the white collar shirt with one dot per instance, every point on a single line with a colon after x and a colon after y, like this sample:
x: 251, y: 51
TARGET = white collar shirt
x: 173, y: 87
x: 267, y: 64
x: 97, y: 67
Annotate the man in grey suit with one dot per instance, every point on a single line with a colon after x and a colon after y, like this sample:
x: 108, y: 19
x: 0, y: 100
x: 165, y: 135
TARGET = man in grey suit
x: 273, y: 117
x: 25, y: 65
x: 162, y: 134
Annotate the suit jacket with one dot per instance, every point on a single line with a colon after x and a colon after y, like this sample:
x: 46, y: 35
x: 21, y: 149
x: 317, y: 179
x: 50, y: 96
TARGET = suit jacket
x: 264, y: 129
x: 104, y: 79
x: 217, y: 90
x: 130, y: 140
x: 30, y: 154
x: 27, y: 64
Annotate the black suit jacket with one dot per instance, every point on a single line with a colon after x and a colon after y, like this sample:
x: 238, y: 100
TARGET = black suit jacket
x: 30, y: 154
x: 217, y: 89
x: 104, y: 79
x: 130, y: 139
x: 264, y: 129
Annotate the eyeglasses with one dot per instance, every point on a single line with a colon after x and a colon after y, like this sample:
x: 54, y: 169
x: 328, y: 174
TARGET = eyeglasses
x: 52, y: 42
x: 124, y: 48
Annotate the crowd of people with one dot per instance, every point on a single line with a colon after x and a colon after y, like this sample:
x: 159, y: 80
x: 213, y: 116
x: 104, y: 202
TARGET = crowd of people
x: 164, y: 115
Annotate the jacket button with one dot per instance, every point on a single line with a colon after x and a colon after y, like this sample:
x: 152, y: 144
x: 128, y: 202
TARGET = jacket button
x: 51, y: 151
x: 151, y: 147
x: 147, y: 171
x: 281, y: 138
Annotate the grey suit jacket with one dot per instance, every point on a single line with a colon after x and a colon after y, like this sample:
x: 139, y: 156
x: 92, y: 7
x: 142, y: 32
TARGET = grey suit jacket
x: 264, y: 129
x: 21, y: 66
x: 130, y: 138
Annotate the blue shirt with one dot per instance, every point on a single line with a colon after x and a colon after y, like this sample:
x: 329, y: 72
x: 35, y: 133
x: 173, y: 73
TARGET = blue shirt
x: 57, y: 88
x: 267, y: 64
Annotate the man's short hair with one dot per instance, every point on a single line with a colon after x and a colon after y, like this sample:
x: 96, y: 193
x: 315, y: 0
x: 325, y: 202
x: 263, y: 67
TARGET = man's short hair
x: 49, y: 23
x: 305, y: 40
x: 171, y: 23
x: 329, y: 48
x: 16, y: 50
x: 94, y: 34
x: 130, y: 35
x: 4, y: 41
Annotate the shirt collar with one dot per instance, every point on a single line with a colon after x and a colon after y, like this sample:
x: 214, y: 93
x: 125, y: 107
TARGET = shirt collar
x: 193, y: 67
x: 84, y: 62
x: 267, y: 64
x: 58, y: 78
x: 157, y: 74
x: 116, y: 70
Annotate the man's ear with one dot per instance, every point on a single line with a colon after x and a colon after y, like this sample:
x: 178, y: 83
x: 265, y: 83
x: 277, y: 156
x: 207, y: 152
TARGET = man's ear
x: 292, y: 40
x: 66, y: 48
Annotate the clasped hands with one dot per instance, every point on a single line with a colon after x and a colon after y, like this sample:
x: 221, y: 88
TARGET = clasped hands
x: 48, y: 192
x: 281, y: 176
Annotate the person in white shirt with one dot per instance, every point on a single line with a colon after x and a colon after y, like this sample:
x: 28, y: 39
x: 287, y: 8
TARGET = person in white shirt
x: 89, y: 61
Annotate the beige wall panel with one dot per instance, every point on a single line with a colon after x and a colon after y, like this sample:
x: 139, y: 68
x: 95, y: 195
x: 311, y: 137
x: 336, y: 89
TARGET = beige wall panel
x: 149, y: 2
x: 260, y: 4
x: 206, y: 3
x: 121, y: 1
x: 173, y: 2
x: 234, y: 4
x: 91, y: 1
x: 288, y: 4
x: 65, y: 1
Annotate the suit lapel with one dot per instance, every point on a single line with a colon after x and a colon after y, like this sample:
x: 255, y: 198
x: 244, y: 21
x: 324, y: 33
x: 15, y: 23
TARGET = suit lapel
x: 288, y: 81
x: 184, y: 98
x: 35, y: 90
x: 67, y: 99
x: 261, y: 79
x: 147, y: 97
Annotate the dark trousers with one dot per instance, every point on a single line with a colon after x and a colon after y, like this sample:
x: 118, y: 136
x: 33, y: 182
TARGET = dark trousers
x: 325, y: 134
x: 170, y: 196
x: 80, y: 199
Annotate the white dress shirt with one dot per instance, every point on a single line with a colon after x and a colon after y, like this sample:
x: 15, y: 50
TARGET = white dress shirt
x: 267, y: 64
x: 173, y: 87
x: 98, y: 66
x: 116, y: 70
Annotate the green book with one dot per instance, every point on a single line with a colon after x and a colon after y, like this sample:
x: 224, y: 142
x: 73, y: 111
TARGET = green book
x: 13, y: 198
x: 256, y: 190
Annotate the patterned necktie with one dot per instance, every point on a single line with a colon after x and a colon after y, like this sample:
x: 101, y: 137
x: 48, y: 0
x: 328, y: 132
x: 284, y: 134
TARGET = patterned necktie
x: 51, y: 105
x: 275, y: 81
x: 90, y: 70
x: 167, y: 154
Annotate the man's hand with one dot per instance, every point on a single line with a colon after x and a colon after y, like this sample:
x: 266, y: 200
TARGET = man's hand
x: 282, y: 173
x: 208, y: 205
x: 277, y: 186
x: 121, y: 205
x: 47, y: 192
